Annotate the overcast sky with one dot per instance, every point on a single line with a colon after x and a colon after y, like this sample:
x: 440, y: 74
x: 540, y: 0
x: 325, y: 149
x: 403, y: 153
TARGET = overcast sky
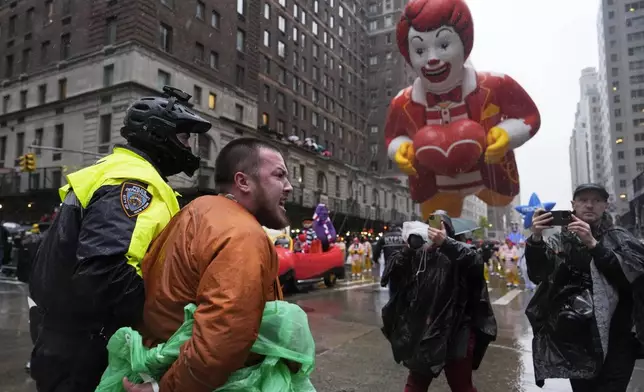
x: 544, y: 45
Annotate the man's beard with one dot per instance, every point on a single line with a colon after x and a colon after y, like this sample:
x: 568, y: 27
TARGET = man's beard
x: 273, y: 218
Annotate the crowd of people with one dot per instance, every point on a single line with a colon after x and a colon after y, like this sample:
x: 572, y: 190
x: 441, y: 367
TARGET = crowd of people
x: 120, y: 253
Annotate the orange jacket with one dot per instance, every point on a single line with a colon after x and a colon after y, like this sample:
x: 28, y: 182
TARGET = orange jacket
x: 213, y: 253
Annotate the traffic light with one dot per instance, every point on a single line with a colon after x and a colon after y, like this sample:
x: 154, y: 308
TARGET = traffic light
x: 23, y: 162
x: 31, y: 162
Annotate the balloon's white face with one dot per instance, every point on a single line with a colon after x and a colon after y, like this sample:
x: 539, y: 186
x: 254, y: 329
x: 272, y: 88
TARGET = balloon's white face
x: 438, y: 57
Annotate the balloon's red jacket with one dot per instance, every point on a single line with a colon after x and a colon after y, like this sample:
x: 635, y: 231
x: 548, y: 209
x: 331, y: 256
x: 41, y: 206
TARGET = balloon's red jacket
x: 489, y: 99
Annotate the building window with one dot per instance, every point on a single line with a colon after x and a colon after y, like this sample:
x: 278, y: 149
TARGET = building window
x: 241, y: 40
x: 44, y: 53
x: 267, y: 93
x: 23, y: 99
x: 66, y: 8
x: 214, y: 60
x: 280, y: 127
x: 108, y: 75
x: 199, y: 52
x: 240, y: 76
x: 62, y: 89
x: 38, y: 140
x: 203, y: 143
x: 201, y: 10
x: 239, y: 113
x: 3, y: 150
x: 241, y: 7
x: 212, y: 101
x: 265, y: 118
x: 59, y: 133
x: 214, y: 19
x: 65, y: 46
x: 8, y: 70
x: 165, y: 38
x: 281, y: 76
x: 26, y: 55
x: 163, y: 79
x: 110, y: 37
x: 281, y: 24
x: 281, y: 104
x: 267, y: 11
x: 196, y: 94
x: 281, y: 49
x: 266, y: 65
x: 29, y: 19
x: 267, y: 39
x: 49, y: 12
x: 6, y: 101
x: 12, y: 26
x: 105, y: 131
x: 42, y: 94
x: 20, y: 143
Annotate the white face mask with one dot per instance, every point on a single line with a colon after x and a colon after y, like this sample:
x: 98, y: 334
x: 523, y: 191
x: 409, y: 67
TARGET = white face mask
x: 438, y: 57
x: 415, y: 227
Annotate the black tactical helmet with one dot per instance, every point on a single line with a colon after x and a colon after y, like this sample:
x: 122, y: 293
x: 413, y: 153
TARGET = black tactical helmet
x: 161, y: 126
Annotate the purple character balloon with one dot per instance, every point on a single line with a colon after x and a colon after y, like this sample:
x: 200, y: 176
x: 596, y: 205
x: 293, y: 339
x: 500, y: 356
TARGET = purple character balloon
x: 323, y: 226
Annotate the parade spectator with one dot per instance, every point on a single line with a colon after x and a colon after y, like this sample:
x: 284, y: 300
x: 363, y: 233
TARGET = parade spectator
x: 440, y: 316
x: 216, y: 254
x: 589, y: 300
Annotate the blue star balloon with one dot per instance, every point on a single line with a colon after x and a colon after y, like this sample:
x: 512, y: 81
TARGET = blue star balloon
x: 533, y: 205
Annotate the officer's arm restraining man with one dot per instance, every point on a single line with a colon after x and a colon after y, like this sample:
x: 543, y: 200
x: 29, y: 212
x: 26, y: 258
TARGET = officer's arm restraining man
x: 86, y: 276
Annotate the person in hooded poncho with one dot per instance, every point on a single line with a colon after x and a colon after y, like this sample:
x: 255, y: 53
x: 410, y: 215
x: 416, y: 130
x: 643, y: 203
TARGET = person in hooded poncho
x: 440, y: 315
x: 587, y: 314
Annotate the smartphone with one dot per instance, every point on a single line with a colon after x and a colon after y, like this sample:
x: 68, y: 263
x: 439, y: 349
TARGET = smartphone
x: 561, y: 218
x: 434, y: 221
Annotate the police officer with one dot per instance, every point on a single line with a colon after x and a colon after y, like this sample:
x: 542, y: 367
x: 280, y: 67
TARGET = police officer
x: 391, y: 242
x: 86, y: 276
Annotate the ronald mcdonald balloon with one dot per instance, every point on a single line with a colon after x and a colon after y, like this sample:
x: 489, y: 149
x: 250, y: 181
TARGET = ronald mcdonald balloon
x: 453, y: 131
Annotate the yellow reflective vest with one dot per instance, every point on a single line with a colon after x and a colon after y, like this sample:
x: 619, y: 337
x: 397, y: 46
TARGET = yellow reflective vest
x: 121, y: 166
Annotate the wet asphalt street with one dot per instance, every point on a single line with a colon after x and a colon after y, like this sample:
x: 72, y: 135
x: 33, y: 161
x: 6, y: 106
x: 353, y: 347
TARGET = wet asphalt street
x: 353, y: 355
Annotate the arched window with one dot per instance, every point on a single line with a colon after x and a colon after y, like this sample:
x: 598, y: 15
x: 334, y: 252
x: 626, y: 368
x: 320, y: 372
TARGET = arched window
x: 323, y: 185
x: 375, y: 198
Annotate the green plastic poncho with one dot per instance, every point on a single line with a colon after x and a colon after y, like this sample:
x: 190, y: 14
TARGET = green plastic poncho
x: 283, y: 334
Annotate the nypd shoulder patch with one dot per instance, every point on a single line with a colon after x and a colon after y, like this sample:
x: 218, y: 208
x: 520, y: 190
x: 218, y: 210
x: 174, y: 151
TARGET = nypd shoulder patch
x: 134, y: 199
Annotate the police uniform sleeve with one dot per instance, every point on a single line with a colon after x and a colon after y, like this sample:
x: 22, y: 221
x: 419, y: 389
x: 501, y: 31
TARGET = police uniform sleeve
x: 116, y: 230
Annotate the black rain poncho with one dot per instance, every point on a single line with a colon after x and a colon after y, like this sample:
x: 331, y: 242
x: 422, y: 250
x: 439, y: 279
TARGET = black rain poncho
x: 578, y: 294
x: 441, y: 298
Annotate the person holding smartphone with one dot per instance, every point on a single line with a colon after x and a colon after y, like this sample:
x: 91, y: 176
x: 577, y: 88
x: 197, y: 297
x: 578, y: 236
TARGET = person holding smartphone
x: 439, y: 316
x: 590, y: 295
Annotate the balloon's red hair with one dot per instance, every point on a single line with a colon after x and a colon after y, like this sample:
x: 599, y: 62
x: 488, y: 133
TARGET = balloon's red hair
x: 427, y: 15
